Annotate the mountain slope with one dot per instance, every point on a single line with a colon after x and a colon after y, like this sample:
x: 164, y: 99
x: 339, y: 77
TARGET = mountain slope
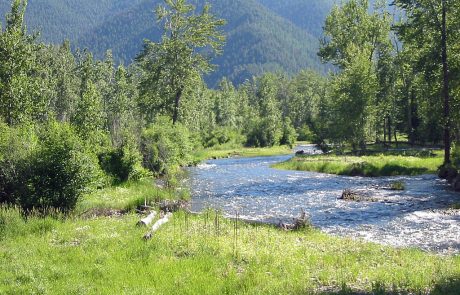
x: 308, y: 15
x: 262, y: 34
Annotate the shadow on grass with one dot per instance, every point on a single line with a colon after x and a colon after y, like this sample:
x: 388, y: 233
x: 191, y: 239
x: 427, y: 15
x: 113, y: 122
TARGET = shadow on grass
x: 449, y: 286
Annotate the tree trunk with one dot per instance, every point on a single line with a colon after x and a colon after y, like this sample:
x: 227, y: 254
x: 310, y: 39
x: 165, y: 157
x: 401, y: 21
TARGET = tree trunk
x: 384, y: 131
x: 389, y: 130
x: 445, y: 68
x: 177, y: 105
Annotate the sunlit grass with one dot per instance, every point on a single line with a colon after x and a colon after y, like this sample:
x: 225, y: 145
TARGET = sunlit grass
x: 190, y: 255
x: 128, y: 196
x: 218, y: 153
x: 371, y: 166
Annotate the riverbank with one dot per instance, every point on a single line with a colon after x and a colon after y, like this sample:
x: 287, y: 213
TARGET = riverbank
x: 246, y: 152
x: 199, y: 254
x: 383, y: 164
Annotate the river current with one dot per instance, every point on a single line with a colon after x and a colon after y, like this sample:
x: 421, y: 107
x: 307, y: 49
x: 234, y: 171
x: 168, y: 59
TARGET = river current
x: 416, y: 217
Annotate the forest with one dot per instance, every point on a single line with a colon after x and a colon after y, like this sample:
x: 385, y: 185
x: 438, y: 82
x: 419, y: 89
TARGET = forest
x: 73, y: 125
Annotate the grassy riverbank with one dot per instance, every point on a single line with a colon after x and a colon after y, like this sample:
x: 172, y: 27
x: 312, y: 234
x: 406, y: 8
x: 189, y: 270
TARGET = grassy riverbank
x: 129, y: 196
x: 190, y: 255
x: 225, y: 152
x: 370, y: 166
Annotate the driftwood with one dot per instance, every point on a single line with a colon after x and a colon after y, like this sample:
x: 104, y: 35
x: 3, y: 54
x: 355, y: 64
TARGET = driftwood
x: 157, y: 225
x: 301, y: 222
x: 147, y: 220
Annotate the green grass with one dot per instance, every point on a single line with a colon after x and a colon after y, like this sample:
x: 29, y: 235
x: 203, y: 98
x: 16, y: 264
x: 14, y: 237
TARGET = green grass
x: 128, y: 196
x: 189, y: 256
x: 369, y: 166
x: 217, y: 153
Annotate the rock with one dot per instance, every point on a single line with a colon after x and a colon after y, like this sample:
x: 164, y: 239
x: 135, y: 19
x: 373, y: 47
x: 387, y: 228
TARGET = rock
x: 300, y: 153
x: 173, y: 206
x: 349, y: 195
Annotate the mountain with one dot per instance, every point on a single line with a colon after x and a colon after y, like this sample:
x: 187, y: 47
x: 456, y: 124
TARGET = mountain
x: 262, y: 35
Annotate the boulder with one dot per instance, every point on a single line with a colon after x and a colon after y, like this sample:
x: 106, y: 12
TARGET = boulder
x: 300, y: 153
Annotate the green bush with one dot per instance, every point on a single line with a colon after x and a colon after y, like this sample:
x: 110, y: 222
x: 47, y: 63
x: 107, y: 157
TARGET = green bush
x: 220, y: 136
x: 123, y: 163
x: 61, y: 170
x: 16, y: 147
x: 166, y: 146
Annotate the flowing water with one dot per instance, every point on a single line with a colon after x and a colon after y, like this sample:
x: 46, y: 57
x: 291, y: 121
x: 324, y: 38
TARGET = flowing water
x: 416, y: 217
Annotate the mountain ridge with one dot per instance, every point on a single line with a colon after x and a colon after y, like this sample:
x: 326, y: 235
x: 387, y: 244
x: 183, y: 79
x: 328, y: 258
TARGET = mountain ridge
x: 262, y: 35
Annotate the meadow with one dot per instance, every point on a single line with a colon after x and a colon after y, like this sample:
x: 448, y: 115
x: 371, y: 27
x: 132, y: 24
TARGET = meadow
x: 377, y: 164
x: 200, y: 254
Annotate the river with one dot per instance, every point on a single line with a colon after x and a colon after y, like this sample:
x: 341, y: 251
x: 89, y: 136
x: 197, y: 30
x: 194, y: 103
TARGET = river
x: 416, y: 217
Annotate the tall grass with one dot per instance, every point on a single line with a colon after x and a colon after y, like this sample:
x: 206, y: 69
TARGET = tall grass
x: 191, y: 255
x: 369, y: 166
x: 129, y: 196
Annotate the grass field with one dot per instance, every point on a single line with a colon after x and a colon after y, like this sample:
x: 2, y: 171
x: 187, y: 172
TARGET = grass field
x: 200, y: 254
x: 190, y: 255
x: 370, y: 166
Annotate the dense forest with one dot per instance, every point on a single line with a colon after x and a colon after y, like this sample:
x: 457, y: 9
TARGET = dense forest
x: 71, y: 122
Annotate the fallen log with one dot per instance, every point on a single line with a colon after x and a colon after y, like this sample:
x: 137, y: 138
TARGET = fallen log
x: 147, y: 220
x: 157, y: 225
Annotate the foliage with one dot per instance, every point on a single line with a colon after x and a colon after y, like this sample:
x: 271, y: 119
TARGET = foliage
x: 165, y: 146
x: 123, y: 163
x: 289, y: 134
x: 456, y: 154
x: 173, y: 64
x: 17, y: 145
x: 17, y: 52
x: 50, y: 170
x: 61, y: 171
x: 223, y: 136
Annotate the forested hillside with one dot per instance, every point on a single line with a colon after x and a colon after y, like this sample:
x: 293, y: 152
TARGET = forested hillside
x: 262, y: 35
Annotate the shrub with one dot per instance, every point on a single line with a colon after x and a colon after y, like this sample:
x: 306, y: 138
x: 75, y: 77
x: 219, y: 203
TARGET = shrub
x: 61, y: 170
x: 220, y: 136
x: 166, y: 146
x: 123, y: 163
x: 16, y: 147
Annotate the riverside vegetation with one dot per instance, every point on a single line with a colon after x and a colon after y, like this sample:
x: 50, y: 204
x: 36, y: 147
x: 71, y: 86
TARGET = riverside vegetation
x: 82, y: 142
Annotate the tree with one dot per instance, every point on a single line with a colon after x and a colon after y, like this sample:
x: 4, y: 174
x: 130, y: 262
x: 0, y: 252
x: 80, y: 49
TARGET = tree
x: 189, y: 41
x: 16, y: 64
x: 358, y: 43
x: 431, y: 28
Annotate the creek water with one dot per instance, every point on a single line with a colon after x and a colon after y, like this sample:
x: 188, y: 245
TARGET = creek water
x: 416, y: 217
